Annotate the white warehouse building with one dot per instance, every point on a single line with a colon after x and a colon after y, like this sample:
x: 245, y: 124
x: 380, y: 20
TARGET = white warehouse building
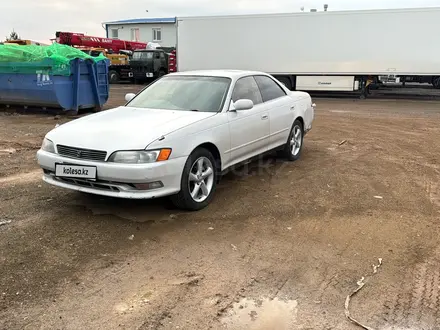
x: 160, y: 30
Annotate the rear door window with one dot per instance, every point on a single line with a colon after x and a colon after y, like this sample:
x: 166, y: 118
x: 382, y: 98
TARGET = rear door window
x: 269, y: 89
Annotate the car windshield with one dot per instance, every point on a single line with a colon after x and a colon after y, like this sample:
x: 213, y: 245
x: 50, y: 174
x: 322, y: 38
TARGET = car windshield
x: 190, y: 93
x: 142, y: 55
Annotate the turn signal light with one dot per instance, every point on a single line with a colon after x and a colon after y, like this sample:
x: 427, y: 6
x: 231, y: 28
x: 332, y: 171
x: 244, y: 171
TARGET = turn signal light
x: 164, y: 155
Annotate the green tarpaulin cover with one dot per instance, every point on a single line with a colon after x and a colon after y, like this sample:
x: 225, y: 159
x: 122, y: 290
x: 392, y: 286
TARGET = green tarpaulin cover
x: 54, y: 59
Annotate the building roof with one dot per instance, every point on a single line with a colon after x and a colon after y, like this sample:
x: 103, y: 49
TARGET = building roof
x: 144, y: 21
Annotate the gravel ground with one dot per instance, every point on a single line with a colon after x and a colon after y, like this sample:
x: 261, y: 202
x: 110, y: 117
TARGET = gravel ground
x: 280, y: 247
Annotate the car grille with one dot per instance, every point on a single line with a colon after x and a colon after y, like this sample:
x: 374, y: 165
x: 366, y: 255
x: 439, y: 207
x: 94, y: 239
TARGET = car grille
x: 86, y: 154
x: 102, y: 185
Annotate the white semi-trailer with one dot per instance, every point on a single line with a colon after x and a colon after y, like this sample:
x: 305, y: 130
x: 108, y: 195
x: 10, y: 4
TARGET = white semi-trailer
x: 318, y: 51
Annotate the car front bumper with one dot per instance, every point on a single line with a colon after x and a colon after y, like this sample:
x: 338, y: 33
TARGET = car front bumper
x: 116, y: 179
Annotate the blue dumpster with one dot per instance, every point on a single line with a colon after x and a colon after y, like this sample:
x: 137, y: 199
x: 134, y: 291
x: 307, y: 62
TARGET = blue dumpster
x: 34, y: 84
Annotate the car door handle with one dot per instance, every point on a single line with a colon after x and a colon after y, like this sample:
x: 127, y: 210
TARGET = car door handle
x: 264, y: 117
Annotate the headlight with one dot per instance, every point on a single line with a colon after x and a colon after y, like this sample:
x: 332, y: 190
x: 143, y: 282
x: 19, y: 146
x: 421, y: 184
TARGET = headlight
x: 140, y: 156
x: 48, y: 146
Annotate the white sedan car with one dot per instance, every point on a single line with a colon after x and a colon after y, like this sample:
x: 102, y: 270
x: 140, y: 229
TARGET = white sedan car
x: 176, y: 136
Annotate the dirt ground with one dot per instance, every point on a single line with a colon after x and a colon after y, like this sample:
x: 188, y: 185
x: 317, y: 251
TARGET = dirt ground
x: 280, y: 247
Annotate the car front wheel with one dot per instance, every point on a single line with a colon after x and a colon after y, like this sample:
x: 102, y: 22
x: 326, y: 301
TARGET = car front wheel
x: 198, y: 183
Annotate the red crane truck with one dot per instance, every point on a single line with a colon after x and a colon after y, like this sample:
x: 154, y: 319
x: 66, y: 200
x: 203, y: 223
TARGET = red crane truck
x: 117, y: 71
x: 116, y: 45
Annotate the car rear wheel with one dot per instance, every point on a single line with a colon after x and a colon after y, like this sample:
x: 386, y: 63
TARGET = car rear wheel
x: 292, y: 149
x: 198, y: 183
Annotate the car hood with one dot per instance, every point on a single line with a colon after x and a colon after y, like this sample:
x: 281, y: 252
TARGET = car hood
x: 123, y: 128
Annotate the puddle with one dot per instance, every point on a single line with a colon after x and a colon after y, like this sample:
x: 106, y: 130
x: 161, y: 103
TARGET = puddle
x: 261, y: 314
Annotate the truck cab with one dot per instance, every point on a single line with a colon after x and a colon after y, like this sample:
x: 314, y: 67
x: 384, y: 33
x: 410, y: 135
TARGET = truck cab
x: 148, y: 64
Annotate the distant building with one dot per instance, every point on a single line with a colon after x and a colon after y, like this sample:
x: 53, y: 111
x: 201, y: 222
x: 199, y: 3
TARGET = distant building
x: 160, y: 30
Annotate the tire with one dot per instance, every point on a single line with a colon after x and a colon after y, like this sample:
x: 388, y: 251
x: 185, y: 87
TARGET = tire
x: 291, y: 151
x: 285, y: 81
x: 199, y: 159
x: 436, y: 82
x: 113, y: 77
x: 161, y: 73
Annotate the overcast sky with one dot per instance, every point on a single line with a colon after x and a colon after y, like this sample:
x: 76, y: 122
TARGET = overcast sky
x: 39, y: 19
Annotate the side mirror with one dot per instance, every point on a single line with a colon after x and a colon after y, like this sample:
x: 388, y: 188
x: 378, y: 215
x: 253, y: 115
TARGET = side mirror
x: 129, y: 96
x: 243, y: 104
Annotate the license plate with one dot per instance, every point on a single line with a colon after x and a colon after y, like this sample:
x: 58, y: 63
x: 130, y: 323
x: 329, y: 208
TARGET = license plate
x: 75, y: 171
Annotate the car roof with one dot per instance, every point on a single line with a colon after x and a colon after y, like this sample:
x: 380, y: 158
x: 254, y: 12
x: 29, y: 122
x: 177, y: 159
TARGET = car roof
x: 233, y: 74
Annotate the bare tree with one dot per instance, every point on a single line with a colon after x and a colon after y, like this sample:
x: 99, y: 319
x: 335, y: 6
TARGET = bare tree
x: 13, y: 36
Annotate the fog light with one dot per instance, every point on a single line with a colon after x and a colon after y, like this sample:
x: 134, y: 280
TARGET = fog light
x: 149, y: 185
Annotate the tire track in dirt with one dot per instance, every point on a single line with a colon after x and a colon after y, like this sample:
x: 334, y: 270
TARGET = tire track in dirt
x: 177, y: 291
x: 432, y: 189
x: 330, y: 281
x: 417, y: 304
x: 21, y: 178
